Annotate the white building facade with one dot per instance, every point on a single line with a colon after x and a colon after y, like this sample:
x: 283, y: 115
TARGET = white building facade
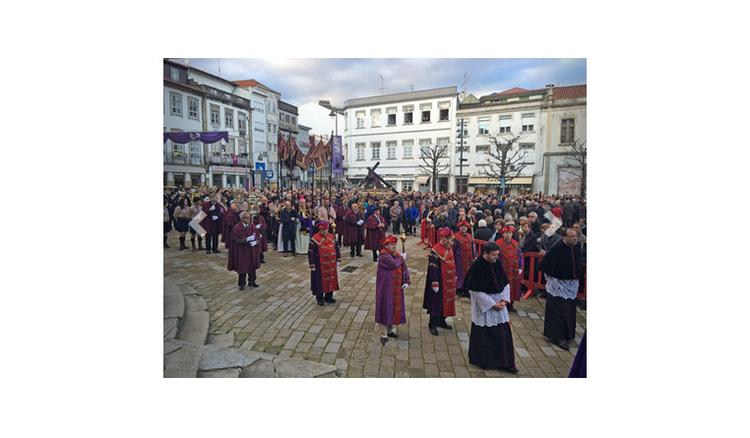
x: 537, y: 116
x: 391, y: 128
x: 227, y: 108
x: 184, y: 165
x: 264, y: 131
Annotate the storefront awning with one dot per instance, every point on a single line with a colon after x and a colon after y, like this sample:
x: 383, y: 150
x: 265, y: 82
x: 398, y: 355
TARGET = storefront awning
x: 421, y: 180
x: 488, y: 181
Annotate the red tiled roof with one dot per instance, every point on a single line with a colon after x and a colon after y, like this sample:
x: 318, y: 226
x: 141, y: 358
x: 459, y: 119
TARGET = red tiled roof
x: 572, y: 92
x: 510, y: 92
x: 247, y: 83
x: 513, y: 90
x: 563, y: 92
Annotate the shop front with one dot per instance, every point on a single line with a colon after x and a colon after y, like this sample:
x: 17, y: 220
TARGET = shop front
x: 516, y: 186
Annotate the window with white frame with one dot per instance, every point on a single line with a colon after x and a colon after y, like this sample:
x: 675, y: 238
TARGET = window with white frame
x: 408, y: 146
x: 526, y: 146
x: 228, y: 118
x: 391, y: 112
x: 196, y: 152
x: 484, y: 126
x: 505, y: 122
x: 270, y: 127
x: 375, y: 117
x: 360, y: 116
x: 425, y: 109
x: 174, y: 73
x: 465, y: 148
x: 360, y: 151
x: 242, y: 121
x: 406, y: 186
x: 175, y: 100
x: 482, y: 148
x: 193, y: 108
x: 215, y: 116
x: 391, y: 147
x: 567, y: 130
x: 424, y: 146
x: 444, y: 108
x: 408, y: 114
x: 257, y: 106
x: 375, y: 146
x: 294, y: 121
x: 527, y: 122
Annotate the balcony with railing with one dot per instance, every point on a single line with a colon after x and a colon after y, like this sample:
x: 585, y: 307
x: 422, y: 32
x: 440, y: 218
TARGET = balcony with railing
x: 228, y: 160
x: 175, y: 157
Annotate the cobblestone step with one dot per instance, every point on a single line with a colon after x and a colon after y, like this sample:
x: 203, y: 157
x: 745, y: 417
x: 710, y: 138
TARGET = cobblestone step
x: 194, y: 303
x: 181, y: 359
x: 174, y: 305
x: 194, y: 327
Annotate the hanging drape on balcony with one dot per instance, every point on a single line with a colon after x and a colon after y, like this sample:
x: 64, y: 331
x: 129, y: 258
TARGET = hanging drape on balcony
x: 205, y: 137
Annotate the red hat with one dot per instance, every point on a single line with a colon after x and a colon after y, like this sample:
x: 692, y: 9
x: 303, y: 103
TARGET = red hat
x: 388, y: 239
x: 322, y: 224
x: 445, y: 232
x: 507, y: 229
x: 463, y: 223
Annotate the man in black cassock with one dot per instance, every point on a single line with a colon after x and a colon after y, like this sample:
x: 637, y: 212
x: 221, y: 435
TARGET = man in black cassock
x: 563, y: 268
x: 491, y: 341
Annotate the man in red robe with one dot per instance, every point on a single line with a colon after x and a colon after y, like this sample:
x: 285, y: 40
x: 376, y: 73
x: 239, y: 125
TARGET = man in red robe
x: 511, y: 259
x: 464, y: 248
x: 440, y: 287
x: 354, y: 230
x: 231, y: 218
x: 242, y: 254
x: 375, y: 226
x: 323, y: 256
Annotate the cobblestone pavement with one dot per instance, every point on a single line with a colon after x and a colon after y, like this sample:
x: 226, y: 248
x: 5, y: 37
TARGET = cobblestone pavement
x: 281, y: 317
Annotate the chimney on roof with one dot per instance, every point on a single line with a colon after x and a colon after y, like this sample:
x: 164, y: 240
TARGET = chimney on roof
x: 550, y: 91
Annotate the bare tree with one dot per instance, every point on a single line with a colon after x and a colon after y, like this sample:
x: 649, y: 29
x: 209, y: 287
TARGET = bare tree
x: 577, y: 160
x: 504, y: 162
x: 430, y: 157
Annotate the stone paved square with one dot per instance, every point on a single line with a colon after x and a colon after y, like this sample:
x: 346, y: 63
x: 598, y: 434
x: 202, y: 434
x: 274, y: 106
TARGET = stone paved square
x: 282, y: 318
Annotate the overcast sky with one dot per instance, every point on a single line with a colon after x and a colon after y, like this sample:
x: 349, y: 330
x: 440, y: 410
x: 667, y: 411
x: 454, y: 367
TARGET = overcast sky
x: 302, y: 82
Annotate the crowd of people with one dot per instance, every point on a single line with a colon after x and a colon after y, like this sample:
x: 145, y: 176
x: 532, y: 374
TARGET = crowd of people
x: 489, y: 248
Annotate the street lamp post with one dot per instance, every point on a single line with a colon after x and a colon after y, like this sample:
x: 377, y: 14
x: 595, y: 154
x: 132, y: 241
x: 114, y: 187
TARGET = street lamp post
x: 334, y: 111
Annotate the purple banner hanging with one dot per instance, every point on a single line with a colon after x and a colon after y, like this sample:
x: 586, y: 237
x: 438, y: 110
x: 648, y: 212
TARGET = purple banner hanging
x: 338, y: 158
x: 204, y: 137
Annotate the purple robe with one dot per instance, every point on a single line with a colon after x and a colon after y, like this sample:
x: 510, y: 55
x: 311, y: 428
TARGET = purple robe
x: 242, y: 256
x: 578, y: 370
x: 212, y: 226
x: 313, y: 258
x: 353, y: 233
x: 387, y: 264
x: 460, y: 274
x: 231, y: 218
x: 375, y: 234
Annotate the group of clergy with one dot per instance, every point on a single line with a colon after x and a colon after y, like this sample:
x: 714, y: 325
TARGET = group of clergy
x: 489, y: 275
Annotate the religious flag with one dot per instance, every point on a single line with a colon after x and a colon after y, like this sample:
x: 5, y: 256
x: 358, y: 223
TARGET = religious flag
x: 555, y: 223
x: 283, y: 149
x: 196, y: 224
